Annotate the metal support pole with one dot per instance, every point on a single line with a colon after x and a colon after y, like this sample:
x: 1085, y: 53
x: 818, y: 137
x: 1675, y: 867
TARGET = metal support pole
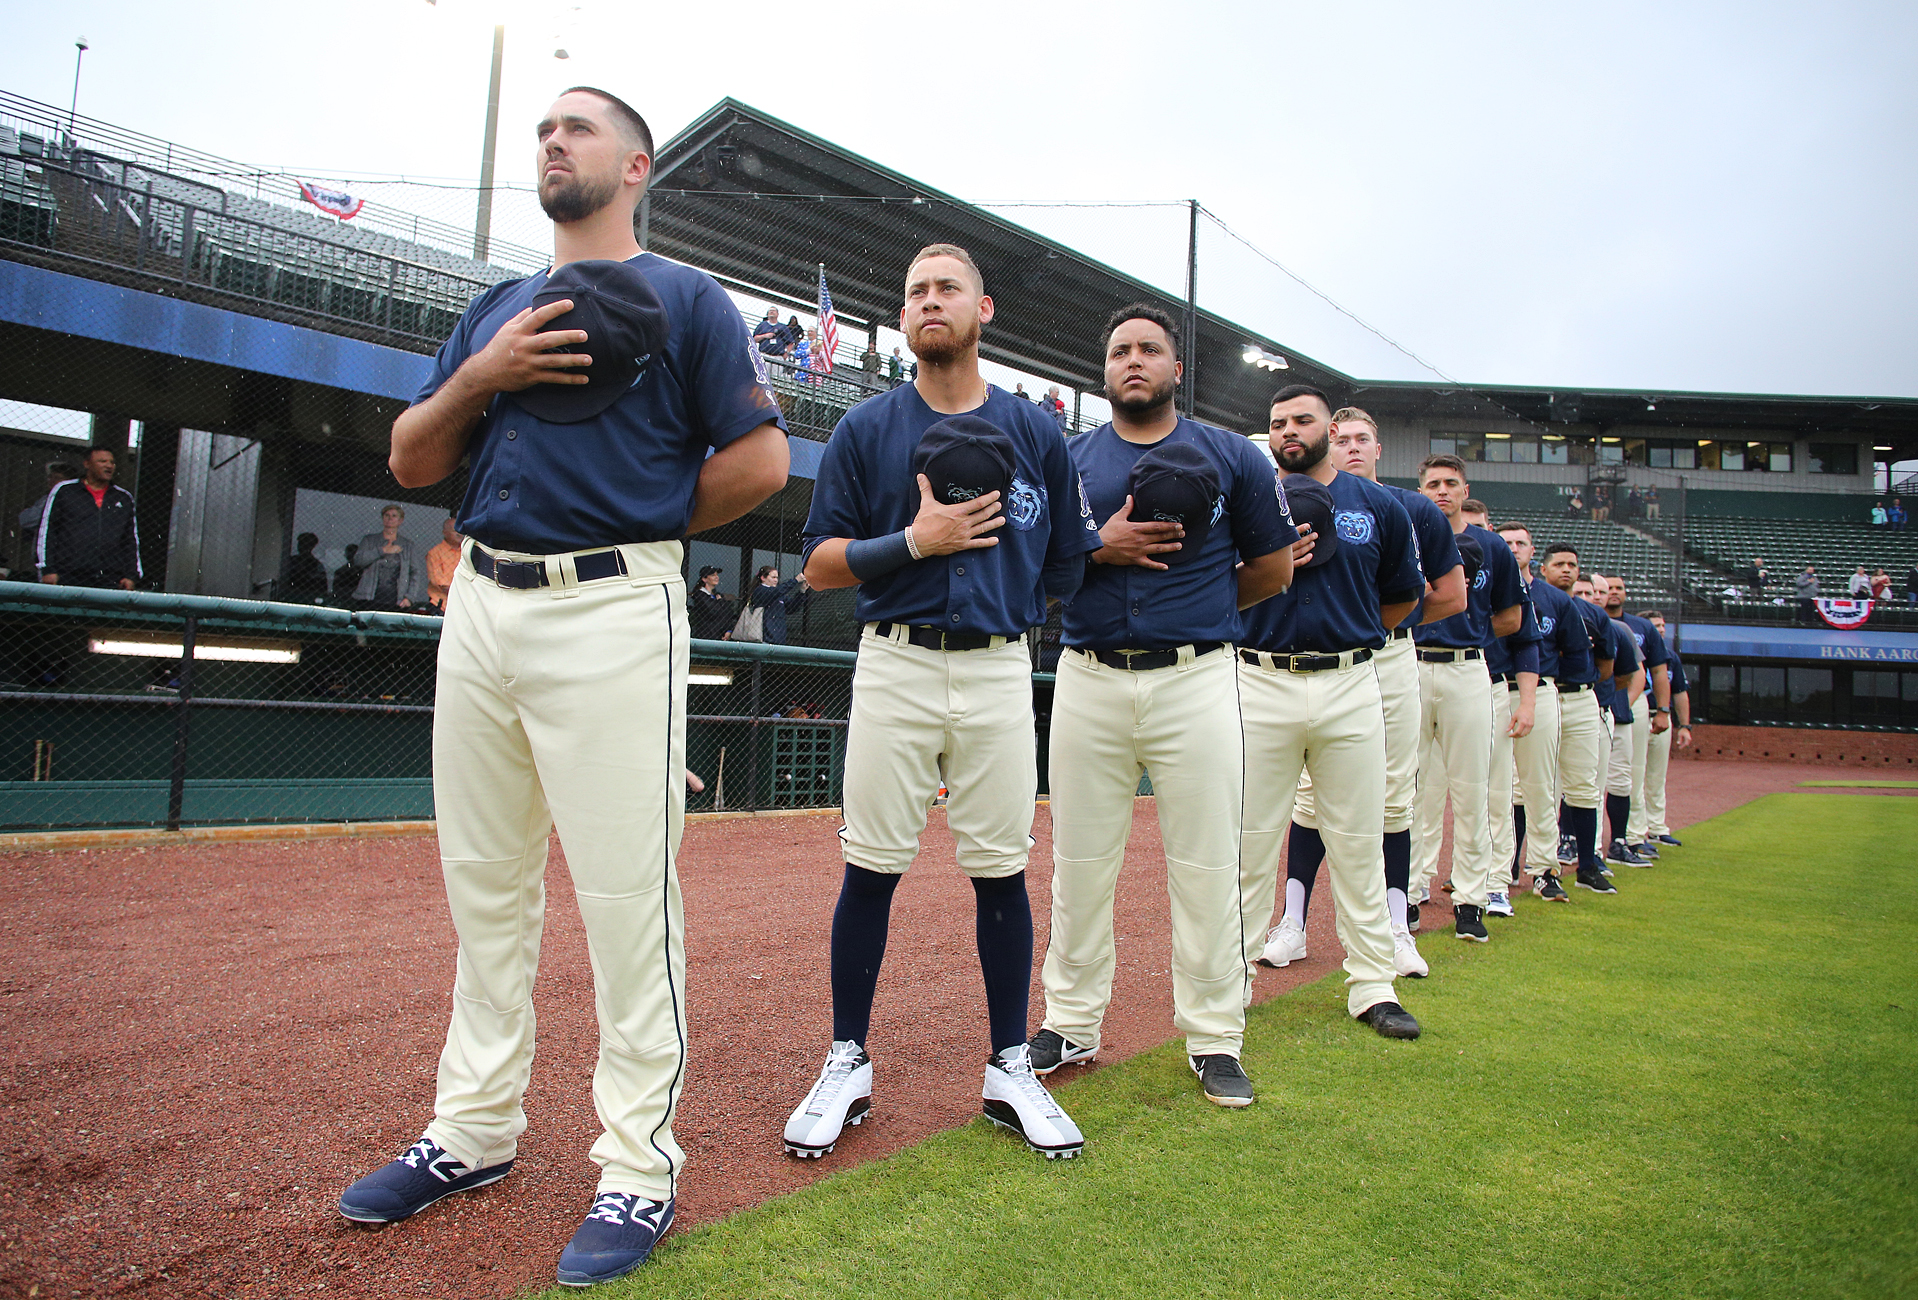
x: 182, y: 723
x: 483, y: 221
x: 645, y: 219
x: 752, y: 740
x: 1678, y: 559
x: 1191, y: 348
x: 73, y: 110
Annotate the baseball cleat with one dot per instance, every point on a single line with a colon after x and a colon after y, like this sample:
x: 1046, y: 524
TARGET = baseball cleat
x: 1669, y: 841
x: 1593, y: 879
x: 842, y: 1096
x: 1548, y: 888
x: 1568, y: 851
x: 1447, y: 887
x: 619, y: 1233
x: 1223, y: 1079
x: 1015, y: 1099
x: 1050, y: 1051
x: 1412, y: 917
x: 1405, y: 955
x: 1620, y: 853
x: 1647, y: 851
x: 1425, y: 896
x: 403, y: 1188
x: 1284, y: 944
x: 1469, y: 923
x: 1498, y: 903
x: 1389, y: 1020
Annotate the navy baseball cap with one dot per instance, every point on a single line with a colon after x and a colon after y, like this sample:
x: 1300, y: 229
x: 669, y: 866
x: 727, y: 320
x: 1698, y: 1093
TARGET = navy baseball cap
x: 625, y: 323
x: 965, y: 457
x: 1311, y: 503
x: 1175, y: 482
x: 1473, y: 555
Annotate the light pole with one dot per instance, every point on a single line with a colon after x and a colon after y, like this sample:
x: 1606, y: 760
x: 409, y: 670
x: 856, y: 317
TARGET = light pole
x: 80, y: 52
x: 483, y: 220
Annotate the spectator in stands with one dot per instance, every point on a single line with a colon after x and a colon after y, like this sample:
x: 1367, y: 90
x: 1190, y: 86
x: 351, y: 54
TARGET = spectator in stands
x: 442, y: 562
x: 391, y: 576
x: 814, y: 348
x: 896, y: 368
x: 1651, y: 502
x: 1880, y: 584
x: 869, y: 362
x: 1575, y: 507
x: 1911, y: 584
x: 58, y: 472
x: 1807, y: 592
x: 1860, y: 586
x: 769, y: 335
x: 710, y: 611
x: 302, y: 576
x: 347, y: 576
x: 1896, y: 515
x: 1878, y: 515
x: 1055, y: 406
x: 1760, y: 575
x: 88, y: 536
x: 1634, y: 505
x: 1019, y: 391
x: 779, y: 599
x: 802, y: 355
x: 794, y: 332
x: 1601, y: 503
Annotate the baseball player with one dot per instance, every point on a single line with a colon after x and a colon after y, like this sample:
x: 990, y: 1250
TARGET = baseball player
x: 1564, y: 646
x: 1456, y: 726
x: 1355, y: 449
x: 1512, y: 662
x: 1146, y: 682
x: 587, y: 400
x: 954, y: 507
x: 1584, y: 725
x: 1659, y: 752
x: 1651, y: 713
x: 1313, y: 704
x: 1618, y: 697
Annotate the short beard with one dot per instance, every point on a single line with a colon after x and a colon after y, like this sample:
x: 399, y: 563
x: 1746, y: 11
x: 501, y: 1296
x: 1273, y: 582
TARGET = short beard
x: 1149, y: 407
x: 577, y: 199
x: 940, y: 350
x: 1297, y: 459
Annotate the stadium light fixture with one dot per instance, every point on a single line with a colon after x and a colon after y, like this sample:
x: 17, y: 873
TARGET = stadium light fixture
x: 707, y: 675
x: 1254, y: 355
x: 137, y: 646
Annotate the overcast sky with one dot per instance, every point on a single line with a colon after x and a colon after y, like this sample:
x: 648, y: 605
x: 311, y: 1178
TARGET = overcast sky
x: 1654, y: 197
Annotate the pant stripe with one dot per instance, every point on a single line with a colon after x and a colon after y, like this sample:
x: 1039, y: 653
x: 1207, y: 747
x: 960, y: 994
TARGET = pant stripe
x: 677, y: 689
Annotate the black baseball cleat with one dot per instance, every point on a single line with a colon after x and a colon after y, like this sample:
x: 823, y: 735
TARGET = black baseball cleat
x: 1412, y: 917
x: 425, y: 1174
x: 1670, y: 841
x: 1223, y: 1079
x: 1469, y: 923
x: 1389, y: 1020
x: 1620, y: 853
x: 1647, y: 851
x: 1050, y: 1051
x: 1548, y: 888
x: 619, y: 1233
x: 1593, y: 879
x: 1567, y: 851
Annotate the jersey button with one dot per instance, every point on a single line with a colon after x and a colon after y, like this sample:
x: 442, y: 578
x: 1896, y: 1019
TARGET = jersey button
x: 511, y: 434
x: 961, y: 570
x: 1307, y: 600
x: 955, y: 618
x: 502, y: 494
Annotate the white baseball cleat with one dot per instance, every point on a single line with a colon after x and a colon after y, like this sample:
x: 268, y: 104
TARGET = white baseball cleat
x: 1498, y: 903
x: 842, y: 1096
x: 1284, y: 944
x: 1405, y: 954
x: 1015, y: 1099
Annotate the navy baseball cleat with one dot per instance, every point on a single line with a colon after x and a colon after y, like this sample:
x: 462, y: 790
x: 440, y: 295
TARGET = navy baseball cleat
x: 1015, y: 1099
x: 1050, y: 1051
x: 1469, y: 923
x: 841, y: 1096
x: 1223, y: 1079
x: 1647, y: 850
x: 414, y: 1181
x: 619, y: 1233
x: 1671, y: 841
x: 1620, y: 853
x: 1593, y: 879
x: 1567, y: 851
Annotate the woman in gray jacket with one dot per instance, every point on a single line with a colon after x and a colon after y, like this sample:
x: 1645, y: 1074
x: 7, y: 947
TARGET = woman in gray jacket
x: 393, y: 576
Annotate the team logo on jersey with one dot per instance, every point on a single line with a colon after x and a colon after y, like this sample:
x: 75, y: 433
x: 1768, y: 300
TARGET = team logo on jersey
x: 1278, y: 486
x: 1085, y: 509
x: 1025, y: 506
x: 759, y: 363
x: 1481, y: 579
x: 1353, y: 526
x: 1218, y: 509
x: 1546, y: 624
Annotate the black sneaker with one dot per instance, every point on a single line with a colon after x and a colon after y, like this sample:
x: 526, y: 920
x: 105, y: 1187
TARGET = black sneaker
x: 1567, y: 851
x: 1050, y: 1051
x: 1390, y: 1020
x: 1548, y: 888
x: 619, y: 1233
x: 1620, y: 853
x: 1593, y: 879
x: 1412, y: 917
x: 1223, y: 1079
x: 413, y: 1182
x: 1670, y: 841
x: 1646, y: 851
x: 1516, y: 872
x: 1469, y: 923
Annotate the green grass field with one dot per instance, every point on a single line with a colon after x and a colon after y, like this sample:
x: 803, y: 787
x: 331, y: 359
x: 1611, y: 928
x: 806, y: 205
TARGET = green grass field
x: 1866, y: 784
x: 1707, y: 1086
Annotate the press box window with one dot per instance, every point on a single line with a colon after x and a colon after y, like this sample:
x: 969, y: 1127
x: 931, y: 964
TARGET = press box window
x: 1834, y: 458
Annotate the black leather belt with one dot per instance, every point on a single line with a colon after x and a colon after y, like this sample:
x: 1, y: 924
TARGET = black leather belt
x: 524, y: 575
x: 932, y: 638
x: 1450, y: 656
x: 1307, y: 663
x: 1509, y: 678
x: 1401, y: 634
x: 1573, y: 688
x: 1142, y: 660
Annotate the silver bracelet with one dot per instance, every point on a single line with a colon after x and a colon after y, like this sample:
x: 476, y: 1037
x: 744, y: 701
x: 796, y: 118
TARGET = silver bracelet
x: 912, y: 547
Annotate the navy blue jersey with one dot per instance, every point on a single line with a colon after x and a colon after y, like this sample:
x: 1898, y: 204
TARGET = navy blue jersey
x: 1125, y: 606
x: 866, y: 488
x: 1335, y: 606
x: 1651, y: 646
x: 627, y: 474
x: 1565, y: 645
x: 1680, y: 683
x: 1624, y: 663
x: 1497, y: 586
x: 1518, y: 652
x: 1438, y: 549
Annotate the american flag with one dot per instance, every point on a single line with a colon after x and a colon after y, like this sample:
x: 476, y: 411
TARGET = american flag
x: 828, y: 328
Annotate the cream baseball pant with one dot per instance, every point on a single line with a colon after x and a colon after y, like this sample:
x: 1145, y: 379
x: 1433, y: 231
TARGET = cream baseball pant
x: 1641, y: 753
x: 1618, y: 768
x: 1398, y: 673
x: 1331, y: 724
x: 1109, y: 725
x: 1455, y: 757
x: 1535, y: 759
x: 1583, y: 745
x: 1500, y: 782
x: 920, y: 716
x: 1658, y: 757
x: 565, y: 705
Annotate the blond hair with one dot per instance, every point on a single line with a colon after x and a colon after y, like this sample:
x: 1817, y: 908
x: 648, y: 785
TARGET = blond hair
x: 957, y: 254
x: 1345, y: 413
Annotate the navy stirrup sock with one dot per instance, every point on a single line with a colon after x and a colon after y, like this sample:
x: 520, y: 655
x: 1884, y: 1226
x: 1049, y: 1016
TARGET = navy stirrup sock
x: 1618, y: 810
x: 1398, y: 861
x: 1518, y: 827
x: 1582, y: 825
x: 859, y: 925
x: 1003, y: 927
x: 1304, y: 852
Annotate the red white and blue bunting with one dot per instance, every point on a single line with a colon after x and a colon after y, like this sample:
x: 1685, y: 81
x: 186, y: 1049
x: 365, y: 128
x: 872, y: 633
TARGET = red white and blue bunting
x: 1844, y: 614
x: 336, y: 202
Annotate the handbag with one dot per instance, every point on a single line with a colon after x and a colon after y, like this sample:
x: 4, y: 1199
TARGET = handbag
x: 751, y: 624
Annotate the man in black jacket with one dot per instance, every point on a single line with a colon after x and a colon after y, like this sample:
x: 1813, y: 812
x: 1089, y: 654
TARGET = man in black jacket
x: 88, y: 537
